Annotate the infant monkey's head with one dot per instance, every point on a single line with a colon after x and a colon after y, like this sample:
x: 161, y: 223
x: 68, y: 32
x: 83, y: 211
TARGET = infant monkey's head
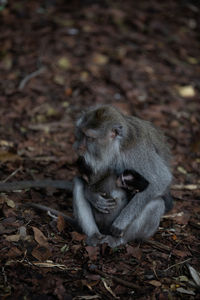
x: 132, y: 181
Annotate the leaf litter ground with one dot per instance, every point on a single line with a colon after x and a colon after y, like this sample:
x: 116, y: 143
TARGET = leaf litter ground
x: 56, y: 59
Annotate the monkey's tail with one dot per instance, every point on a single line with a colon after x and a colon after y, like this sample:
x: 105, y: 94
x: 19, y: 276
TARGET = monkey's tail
x: 55, y: 212
x: 43, y: 183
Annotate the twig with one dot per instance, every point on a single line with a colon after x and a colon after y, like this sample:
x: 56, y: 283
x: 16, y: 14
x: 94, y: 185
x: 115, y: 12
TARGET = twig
x: 158, y: 245
x: 190, y: 187
x: 12, y: 174
x: 30, y: 76
x: 195, y: 225
x: 119, y: 280
x: 180, y: 263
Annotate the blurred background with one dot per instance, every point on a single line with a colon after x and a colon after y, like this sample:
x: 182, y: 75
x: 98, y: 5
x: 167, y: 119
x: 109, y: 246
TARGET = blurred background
x: 59, y: 57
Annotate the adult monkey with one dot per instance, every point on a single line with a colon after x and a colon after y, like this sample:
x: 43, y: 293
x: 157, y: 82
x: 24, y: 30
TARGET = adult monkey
x: 106, y: 139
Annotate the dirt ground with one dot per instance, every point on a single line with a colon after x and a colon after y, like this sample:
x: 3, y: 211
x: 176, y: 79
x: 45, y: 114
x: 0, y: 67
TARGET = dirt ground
x: 56, y: 59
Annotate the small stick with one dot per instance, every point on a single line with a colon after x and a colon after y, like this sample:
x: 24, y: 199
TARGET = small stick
x: 12, y: 174
x: 180, y: 263
x: 189, y: 187
x: 30, y: 76
x: 158, y: 245
x: 119, y: 280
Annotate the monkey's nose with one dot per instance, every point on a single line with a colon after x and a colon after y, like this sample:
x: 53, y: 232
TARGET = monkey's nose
x: 81, y: 149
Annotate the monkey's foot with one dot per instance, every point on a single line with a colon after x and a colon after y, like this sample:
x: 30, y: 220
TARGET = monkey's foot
x: 112, y: 241
x: 116, y: 232
x: 95, y: 239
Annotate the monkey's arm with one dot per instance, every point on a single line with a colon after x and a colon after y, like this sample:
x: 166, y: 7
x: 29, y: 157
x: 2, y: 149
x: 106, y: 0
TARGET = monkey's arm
x: 82, y: 210
x: 44, y: 183
x: 159, y: 178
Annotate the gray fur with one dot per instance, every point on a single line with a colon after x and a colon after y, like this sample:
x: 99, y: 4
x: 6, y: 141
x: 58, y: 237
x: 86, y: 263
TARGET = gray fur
x: 141, y: 148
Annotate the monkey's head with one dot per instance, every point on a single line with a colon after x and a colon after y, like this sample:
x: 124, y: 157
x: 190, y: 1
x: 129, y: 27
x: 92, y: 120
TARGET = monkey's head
x: 98, y: 133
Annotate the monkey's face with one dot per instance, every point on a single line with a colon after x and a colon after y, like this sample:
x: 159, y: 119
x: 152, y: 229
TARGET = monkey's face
x: 91, y: 142
x: 98, y: 135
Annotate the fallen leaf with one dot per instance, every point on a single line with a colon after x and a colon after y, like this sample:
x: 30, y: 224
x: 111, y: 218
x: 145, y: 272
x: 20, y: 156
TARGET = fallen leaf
x: 8, y: 156
x: 195, y: 275
x: 14, y: 252
x: 187, y: 91
x: 13, y: 238
x: 181, y: 253
x: 155, y: 283
x: 77, y: 236
x: 100, y: 59
x: 59, y: 79
x: 93, y: 252
x: 41, y: 253
x: 60, y: 223
x: 64, y: 63
x: 40, y: 237
x: 192, y: 60
x: 134, y: 251
x: 109, y: 289
x: 50, y: 264
x: 184, y: 291
x: 10, y: 203
x: 182, y: 170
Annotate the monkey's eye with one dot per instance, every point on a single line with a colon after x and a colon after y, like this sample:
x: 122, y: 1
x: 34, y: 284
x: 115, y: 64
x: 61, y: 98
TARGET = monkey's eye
x: 89, y: 138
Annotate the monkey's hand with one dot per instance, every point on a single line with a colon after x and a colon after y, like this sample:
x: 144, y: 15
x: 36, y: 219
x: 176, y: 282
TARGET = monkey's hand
x: 100, y: 202
x: 95, y: 239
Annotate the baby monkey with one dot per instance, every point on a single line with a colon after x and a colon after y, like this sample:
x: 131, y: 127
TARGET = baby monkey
x: 115, y: 191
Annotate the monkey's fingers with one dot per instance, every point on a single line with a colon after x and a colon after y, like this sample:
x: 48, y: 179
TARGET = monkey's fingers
x: 107, y: 202
x: 103, y: 211
x: 106, y: 207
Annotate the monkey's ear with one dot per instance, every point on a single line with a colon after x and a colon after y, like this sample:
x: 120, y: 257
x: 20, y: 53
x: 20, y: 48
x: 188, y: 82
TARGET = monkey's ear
x: 90, y: 133
x: 117, y: 130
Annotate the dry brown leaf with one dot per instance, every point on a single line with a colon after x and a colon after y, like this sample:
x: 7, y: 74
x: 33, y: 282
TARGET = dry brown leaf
x: 13, y: 238
x: 8, y: 156
x: 40, y: 237
x: 41, y: 253
x: 187, y: 91
x: 134, y: 251
x: 50, y: 264
x: 155, y: 283
x: 181, y: 253
x: 14, y: 252
x: 10, y: 203
x: 64, y: 63
x: 60, y: 223
x: 77, y: 236
x: 100, y: 59
x: 93, y: 252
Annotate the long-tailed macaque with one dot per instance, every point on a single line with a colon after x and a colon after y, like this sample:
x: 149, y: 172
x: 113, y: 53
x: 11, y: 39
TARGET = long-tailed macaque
x: 106, y: 139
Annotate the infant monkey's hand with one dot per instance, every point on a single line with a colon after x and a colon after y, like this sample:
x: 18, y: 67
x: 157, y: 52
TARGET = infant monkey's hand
x: 132, y: 182
x: 102, y: 202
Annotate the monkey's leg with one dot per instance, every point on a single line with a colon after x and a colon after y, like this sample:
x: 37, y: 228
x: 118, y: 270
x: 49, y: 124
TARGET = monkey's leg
x: 146, y: 224
x: 168, y: 200
x: 83, y: 211
x: 143, y: 227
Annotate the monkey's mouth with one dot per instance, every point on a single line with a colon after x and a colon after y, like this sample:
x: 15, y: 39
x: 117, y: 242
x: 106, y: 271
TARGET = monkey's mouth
x: 81, y: 152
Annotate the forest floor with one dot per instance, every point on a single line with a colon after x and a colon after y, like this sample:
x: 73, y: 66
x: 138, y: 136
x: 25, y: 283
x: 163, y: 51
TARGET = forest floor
x: 56, y: 59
